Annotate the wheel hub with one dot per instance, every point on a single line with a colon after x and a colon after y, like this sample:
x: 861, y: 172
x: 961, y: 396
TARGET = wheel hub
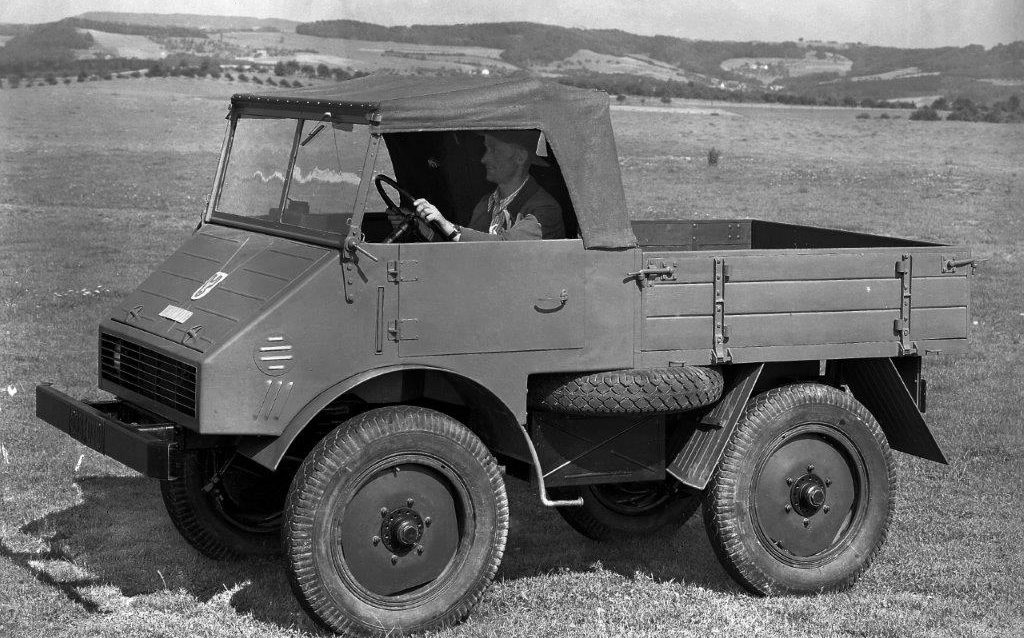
x: 401, y: 530
x: 807, y: 494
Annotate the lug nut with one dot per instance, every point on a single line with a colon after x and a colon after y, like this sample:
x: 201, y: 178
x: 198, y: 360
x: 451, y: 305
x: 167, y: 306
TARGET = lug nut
x: 789, y: 481
x: 394, y: 559
x: 788, y: 507
x: 427, y: 521
x: 828, y: 481
x: 409, y: 502
x: 807, y: 522
x: 826, y: 509
x: 375, y: 540
x: 419, y: 549
x: 810, y: 468
x: 383, y: 512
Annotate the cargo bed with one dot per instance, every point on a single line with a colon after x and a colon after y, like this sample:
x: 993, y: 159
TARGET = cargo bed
x: 749, y: 291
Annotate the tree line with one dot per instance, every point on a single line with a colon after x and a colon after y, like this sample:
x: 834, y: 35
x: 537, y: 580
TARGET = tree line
x: 964, y: 109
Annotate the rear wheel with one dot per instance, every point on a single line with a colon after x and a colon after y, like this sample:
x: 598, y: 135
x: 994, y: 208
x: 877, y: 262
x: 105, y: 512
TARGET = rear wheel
x: 396, y: 522
x: 225, y: 506
x: 803, y: 497
x: 618, y: 511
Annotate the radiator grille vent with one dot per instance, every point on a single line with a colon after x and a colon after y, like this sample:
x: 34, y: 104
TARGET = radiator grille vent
x: 148, y: 373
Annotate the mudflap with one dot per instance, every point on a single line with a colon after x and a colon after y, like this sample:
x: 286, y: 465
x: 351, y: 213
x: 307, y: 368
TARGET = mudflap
x: 878, y: 385
x: 699, y: 457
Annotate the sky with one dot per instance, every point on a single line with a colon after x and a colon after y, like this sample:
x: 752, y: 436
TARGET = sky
x: 901, y: 23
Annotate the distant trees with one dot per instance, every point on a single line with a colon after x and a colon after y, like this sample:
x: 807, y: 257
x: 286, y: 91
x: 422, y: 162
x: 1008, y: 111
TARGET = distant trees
x: 964, y: 109
x: 925, y: 114
x: 46, y: 47
x: 134, y: 29
x: 1005, y: 111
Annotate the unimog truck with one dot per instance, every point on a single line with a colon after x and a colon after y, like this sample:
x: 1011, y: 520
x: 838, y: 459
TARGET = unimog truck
x: 308, y: 378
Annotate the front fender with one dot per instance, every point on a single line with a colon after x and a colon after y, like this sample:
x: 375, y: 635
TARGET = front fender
x: 268, y: 451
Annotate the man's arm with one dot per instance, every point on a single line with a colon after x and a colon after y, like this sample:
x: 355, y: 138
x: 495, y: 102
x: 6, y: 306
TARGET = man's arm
x: 528, y: 227
x: 536, y: 220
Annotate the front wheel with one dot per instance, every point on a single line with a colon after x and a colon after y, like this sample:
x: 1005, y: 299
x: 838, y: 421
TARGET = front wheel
x: 395, y: 523
x: 803, y: 497
x: 225, y: 506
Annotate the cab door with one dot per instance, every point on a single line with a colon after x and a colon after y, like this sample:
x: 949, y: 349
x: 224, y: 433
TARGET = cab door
x: 475, y: 297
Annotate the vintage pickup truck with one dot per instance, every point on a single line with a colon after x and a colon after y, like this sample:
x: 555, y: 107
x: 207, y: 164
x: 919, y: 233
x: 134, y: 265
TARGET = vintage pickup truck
x: 305, y: 378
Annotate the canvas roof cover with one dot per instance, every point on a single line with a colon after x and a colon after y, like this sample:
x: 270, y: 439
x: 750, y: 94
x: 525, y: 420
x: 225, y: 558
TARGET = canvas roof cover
x: 575, y: 121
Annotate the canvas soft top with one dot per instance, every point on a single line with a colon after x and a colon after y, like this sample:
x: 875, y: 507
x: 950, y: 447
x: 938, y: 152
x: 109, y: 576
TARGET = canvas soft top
x: 575, y: 121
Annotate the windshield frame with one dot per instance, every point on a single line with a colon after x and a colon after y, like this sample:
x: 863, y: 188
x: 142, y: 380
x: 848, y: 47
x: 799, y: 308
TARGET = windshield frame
x: 277, y: 228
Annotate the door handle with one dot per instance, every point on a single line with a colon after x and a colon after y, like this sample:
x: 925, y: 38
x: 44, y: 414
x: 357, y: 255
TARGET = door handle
x: 552, y: 304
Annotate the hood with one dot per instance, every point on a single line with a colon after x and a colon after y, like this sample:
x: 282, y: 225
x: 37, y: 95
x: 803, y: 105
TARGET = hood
x: 216, y: 283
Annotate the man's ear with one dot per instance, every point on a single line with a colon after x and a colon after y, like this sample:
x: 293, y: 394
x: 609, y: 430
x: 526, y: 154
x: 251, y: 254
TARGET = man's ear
x: 522, y: 156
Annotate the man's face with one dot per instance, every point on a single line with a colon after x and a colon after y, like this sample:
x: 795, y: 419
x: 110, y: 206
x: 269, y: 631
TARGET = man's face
x: 501, y: 160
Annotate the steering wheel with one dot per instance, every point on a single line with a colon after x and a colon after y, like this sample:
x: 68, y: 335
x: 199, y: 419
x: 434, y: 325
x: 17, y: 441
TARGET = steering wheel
x: 406, y: 198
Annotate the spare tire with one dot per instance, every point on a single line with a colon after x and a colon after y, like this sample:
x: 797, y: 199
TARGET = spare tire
x: 650, y: 391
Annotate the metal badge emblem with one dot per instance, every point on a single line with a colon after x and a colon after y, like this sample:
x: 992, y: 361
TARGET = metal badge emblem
x: 209, y: 285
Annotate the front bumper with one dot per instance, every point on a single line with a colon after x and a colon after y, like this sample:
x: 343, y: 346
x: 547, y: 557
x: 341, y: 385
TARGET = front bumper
x: 125, y: 433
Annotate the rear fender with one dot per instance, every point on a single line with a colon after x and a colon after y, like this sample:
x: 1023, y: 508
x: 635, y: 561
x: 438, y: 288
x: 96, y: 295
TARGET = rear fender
x: 877, y: 383
x: 493, y: 421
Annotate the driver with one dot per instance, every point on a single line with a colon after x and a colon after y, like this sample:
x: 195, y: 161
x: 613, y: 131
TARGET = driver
x: 518, y: 208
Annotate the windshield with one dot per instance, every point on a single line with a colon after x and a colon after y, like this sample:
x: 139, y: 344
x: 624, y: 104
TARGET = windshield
x: 324, y: 161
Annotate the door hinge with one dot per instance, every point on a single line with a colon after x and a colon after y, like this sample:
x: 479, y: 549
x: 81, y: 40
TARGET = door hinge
x: 404, y: 329
x: 404, y: 270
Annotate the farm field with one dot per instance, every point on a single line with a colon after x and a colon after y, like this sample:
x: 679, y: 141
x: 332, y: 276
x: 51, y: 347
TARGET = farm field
x: 369, y: 56
x: 100, y: 181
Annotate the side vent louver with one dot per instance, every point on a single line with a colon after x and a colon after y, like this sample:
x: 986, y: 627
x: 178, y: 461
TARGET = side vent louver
x: 274, y: 355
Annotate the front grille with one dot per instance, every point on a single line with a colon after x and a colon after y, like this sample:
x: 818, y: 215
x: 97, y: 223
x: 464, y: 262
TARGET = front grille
x: 148, y: 373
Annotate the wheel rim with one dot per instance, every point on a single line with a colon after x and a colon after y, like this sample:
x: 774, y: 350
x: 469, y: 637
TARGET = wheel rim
x: 632, y: 499
x: 809, y: 495
x: 402, y: 535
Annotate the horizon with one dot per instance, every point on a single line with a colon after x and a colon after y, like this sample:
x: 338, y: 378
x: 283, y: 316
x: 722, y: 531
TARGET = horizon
x: 911, y: 24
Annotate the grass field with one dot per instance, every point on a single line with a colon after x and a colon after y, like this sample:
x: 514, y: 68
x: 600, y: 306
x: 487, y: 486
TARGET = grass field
x: 100, y: 181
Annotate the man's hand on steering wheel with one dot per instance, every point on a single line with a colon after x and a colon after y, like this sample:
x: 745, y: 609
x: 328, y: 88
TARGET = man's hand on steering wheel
x: 430, y: 218
x: 431, y: 222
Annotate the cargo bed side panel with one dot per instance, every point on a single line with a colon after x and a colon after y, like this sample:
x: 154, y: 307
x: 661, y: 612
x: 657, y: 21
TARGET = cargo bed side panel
x: 804, y: 304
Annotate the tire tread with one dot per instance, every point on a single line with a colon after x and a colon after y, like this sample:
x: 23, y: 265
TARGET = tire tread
x: 720, y: 521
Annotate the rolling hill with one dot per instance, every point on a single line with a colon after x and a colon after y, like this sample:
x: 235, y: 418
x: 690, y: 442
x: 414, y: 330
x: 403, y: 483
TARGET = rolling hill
x: 612, y: 59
